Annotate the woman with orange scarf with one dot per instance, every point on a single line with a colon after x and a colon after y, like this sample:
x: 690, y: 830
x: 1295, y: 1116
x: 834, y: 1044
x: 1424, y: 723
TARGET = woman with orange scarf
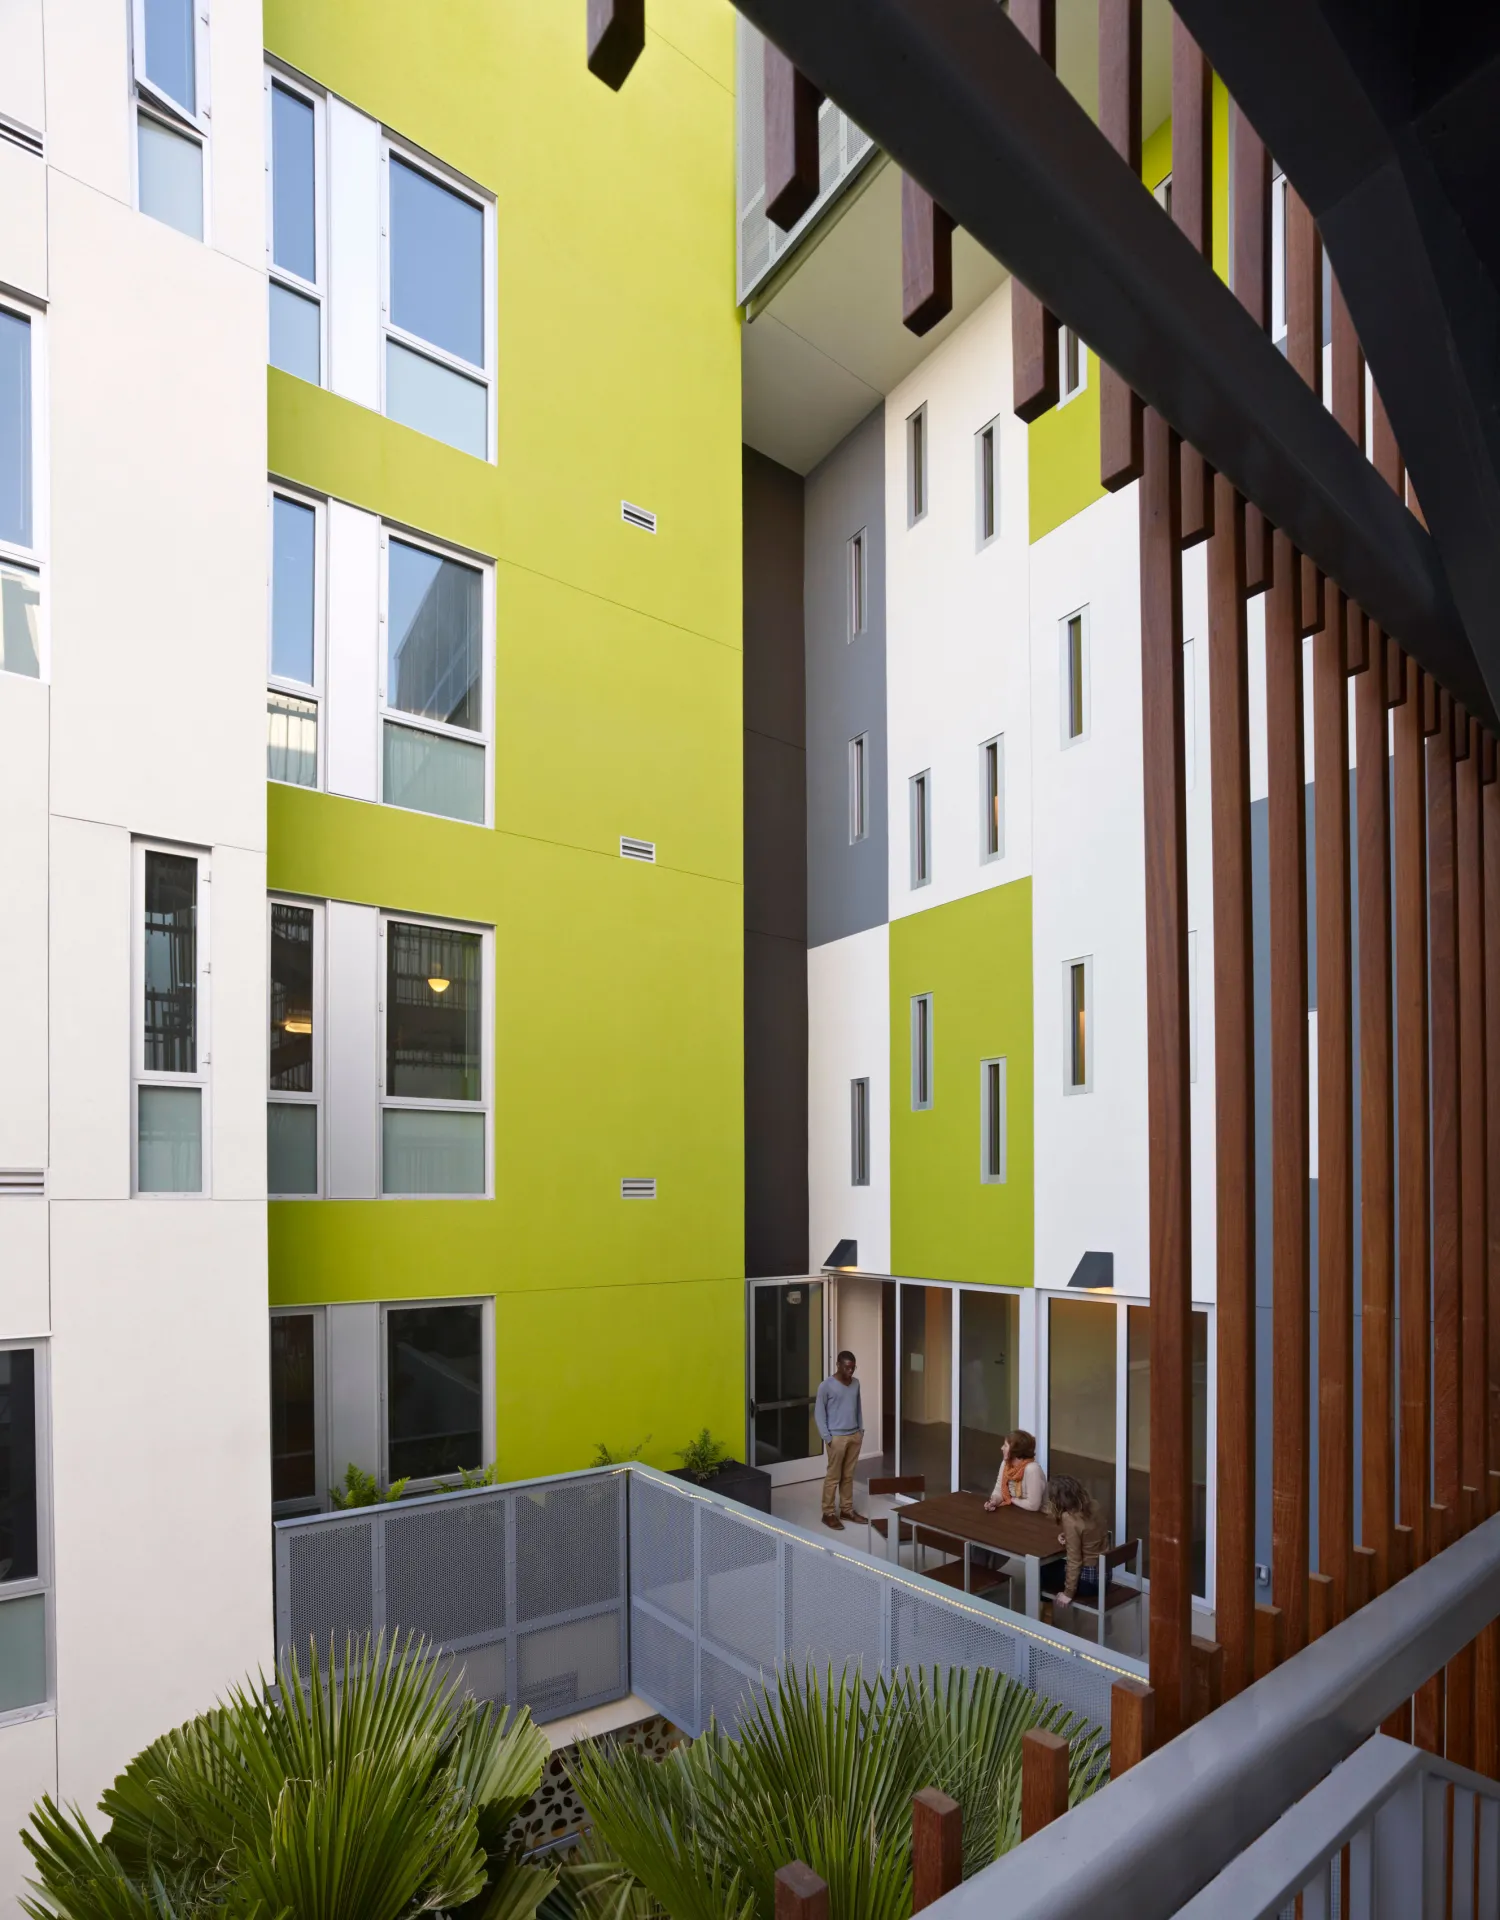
x: 1021, y: 1482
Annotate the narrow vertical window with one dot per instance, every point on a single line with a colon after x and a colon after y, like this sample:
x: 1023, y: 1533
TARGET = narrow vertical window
x: 297, y: 1475
x: 1278, y: 260
x: 986, y: 481
x: 25, y: 1572
x: 1075, y: 677
x: 921, y: 829
x: 1077, y: 983
x: 992, y: 799
x: 20, y: 570
x: 921, y: 1051
x: 1072, y: 363
x: 291, y: 699
x: 295, y: 1079
x: 916, y: 466
x: 1163, y: 195
x: 992, y: 1122
x: 859, y: 788
x: 859, y: 1133
x: 170, y: 60
x: 169, y: 1051
x: 858, y: 584
x: 1189, y: 715
x: 295, y: 250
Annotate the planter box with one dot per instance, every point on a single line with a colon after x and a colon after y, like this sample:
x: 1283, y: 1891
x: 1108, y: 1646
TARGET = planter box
x: 751, y: 1486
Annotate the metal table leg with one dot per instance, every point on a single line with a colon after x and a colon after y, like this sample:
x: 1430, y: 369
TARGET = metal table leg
x: 1033, y: 1586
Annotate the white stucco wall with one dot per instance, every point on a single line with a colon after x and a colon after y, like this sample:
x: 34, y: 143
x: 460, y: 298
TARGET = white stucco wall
x: 848, y: 1038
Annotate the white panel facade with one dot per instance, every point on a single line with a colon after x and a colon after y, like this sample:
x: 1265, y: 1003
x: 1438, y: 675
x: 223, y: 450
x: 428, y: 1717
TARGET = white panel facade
x: 21, y: 70
x: 240, y: 1035
x: 353, y: 1059
x: 23, y: 220
x: 353, y: 638
x: 23, y: 889
x: 89, y: 979
x: 354, y: 1397
x: 957, y: 645
x: 353, y: 254
x: 24, y: 1285
x: 848, y: 1038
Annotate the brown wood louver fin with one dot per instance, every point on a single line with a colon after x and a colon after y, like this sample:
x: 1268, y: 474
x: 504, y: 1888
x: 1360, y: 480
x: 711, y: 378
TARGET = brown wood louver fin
x: 1033, y: 330
x: 1120, y: 413
x: 1192, y: 182
x: 1348, y: 369
x: 617, y: 38
x: 1304, y: 338
x: 1473, y: 1122
x: 791, y: 105
x: 1250, y: 276
x: 1491, y: 920
x: 1384, y: 452
x: 926, y: 259
x: 1442, y: 961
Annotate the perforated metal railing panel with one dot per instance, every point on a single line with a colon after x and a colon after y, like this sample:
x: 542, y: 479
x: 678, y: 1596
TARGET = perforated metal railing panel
x: 567, y: 1593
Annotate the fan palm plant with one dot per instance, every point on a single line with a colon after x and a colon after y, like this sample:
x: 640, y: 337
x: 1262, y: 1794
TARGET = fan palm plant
x: 366, y: 1792
x: 822, y: 1770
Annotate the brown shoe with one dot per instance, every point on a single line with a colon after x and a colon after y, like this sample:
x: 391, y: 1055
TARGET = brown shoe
x: 859, y: 1519
x: 832, y: 1520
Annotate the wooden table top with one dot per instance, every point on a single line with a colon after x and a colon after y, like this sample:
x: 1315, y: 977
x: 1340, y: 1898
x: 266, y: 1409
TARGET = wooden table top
x: 1007, y: 1529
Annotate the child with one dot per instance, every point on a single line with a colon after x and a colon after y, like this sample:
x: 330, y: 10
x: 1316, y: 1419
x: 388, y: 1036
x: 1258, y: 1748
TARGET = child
x: 1021, y: 1482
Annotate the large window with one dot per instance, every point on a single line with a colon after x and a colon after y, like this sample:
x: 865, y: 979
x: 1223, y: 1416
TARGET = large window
x: 927, y: 1384
x: 170, y: 1053
x: 170, y: 53
x: 295, y: 246
x: 1138, y: 1438
x: 988, y: 1382
x: 434, y: 1123
x: 437, y: 320
x: 24, y: 1556
x: 434, y: 1390
x: 432, y: 683
x: 292, y: 698
x: 299, y: 1477
x: 1081, y: 1379
x: 20, y: 542
x: 295, y: 1050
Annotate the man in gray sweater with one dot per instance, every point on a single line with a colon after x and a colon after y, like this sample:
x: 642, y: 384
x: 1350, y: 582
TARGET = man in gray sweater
x: 841, y: 1422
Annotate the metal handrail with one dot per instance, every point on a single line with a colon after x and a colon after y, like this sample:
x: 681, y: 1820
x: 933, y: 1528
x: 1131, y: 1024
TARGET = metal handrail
x: 1154, y: 1838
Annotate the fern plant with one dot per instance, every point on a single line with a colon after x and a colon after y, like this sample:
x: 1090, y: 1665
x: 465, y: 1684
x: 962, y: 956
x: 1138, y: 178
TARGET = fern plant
x: 361, y: 1489
x: 606, y: 1456
x: 469, y: 1477
x: 704, y: 1456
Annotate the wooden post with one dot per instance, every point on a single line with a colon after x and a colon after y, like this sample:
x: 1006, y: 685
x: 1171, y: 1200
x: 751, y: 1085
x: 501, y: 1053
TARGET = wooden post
x: 1335, y: 1105
x: 1384, y: 452
x: 1234, y: 1083
x: 1348, y: 369
x: 937, y: 1846
x: 1033, y: 331
x: 616, y: 38
x: 1472, y: 1128
x: 1322, y: 1605
x: 1442, y: 961
x: 1412, y: 1110
x: 1167, y: 1070
x: 926, y: 259
x: 1491, y: 929
x: 1250, y: 276
x: 1208, y: 1677
x: 1132, y: 1725
x: 791, y: 122
x: 1364, y: 1578
x: 1304, y: 317
x: 1270, y: 1640
x: 1287, y: 833
x: 1044, y: 1780
x: 800, y: 1894
x: 1192, y: 203
x: 1376, y: 1106
x: 1120, y: 415
x: 1487, y: 1701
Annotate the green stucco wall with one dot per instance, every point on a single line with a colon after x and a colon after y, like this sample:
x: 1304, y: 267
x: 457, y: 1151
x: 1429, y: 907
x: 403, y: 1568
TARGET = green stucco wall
x: 974, y: 957
x: 618, y: 986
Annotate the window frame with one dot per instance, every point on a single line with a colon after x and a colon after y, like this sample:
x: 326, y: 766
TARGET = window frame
x: 280, y: 682
x: 486, y: 1303
x: 316, y: 290
x: 1065, y: 393
x: 922, y: 1070
x: 43, y: 1582
x: 992, y: 800
x: 859, y: 1131
x: 140, y: 1074
x: 1071, y: 1085
x: 34, y: 559
x: 1065, y: 678
x: 152, y: 99
x: 918, y: 465
x: 318, y: 1502
x: 994, y: 1117
x: 919, y: 826
x: 859, y: 583
x: 315, y: 1099
x: 1277, y: 316
x: 392, y: 146
x: 407, y: 1103
x: 987, y: 440
x: 393, y: 530
x: 859, y: 789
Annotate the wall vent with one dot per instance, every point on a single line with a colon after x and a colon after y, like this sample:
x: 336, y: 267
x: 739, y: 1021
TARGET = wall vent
x: 637, y: 1189
x: 29, y: 1182
x: 637, y: 849
x: 635, y: 516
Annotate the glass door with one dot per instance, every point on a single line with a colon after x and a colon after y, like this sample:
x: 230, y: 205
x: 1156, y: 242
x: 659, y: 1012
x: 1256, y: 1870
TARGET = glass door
x: 927, y: 1385
x: 786, y: 1368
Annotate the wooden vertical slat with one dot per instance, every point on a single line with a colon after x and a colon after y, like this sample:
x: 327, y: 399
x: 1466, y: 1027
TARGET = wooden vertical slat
x: 800, y: 1894
x: 1322, y: 1606
x: 1270, y: 1640
x: 937, y: 1846
x: 1412, y: 1093
x: 1304, y: 325
x: 1234, y: 1084
x: 1120, y: 415
x: 1383, y: 449
x: 1487, y: 1701
x: 1192, y: 190
x: 791, y: 122
x: 1287, y: 829
x: 1033, y: 330
x: 1491, y: 855
x: 1132, y: 1725
x: 1170, y: 1183
x: 1335, y: 1104
x: 616, y: 38
x: 1447, y: 1251
x: 1376, y: 1106
x: 1250, y: 276
x: 1473, y: 1128
x: 1044, y: 1780
x: 1208, y: 1677
x: 1348, y: 370
x: 926, y: 259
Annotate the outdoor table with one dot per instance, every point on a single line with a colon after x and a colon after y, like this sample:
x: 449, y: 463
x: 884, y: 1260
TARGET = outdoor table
x: 1013, y: 1531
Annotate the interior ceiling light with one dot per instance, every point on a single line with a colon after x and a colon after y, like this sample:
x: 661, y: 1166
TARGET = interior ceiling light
x: 438, y: 983
x: 299, y: 1023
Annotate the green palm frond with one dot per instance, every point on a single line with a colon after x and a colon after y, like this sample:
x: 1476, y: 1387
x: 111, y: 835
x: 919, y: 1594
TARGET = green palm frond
x: 647, y: 1812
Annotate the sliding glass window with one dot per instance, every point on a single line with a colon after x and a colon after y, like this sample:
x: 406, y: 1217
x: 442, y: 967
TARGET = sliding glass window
x: 989, y: 1354
x: 171, y: 59
x: 435, y: 729
x: 437, y: 305
x: 927, y: 1385
x: 1081, y: 1397
x: 434, y: 1125
x: 295, y: 243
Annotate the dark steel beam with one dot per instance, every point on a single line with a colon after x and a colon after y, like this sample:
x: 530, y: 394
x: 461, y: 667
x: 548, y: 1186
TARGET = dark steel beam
x: 953, y: 92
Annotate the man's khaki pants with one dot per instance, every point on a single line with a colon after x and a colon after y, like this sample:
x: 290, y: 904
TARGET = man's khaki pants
x: 843, y: 1451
